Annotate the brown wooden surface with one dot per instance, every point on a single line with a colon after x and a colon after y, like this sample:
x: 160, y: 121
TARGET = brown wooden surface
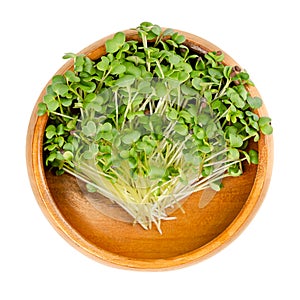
x: 193, y: 236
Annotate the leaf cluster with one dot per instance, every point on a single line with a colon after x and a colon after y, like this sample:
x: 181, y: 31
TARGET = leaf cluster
x: 152, y: 109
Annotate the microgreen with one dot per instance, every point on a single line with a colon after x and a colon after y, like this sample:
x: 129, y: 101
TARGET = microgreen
x: 151, y: 122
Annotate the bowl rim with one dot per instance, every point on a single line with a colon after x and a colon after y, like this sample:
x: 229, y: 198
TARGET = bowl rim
x: 42, y: 193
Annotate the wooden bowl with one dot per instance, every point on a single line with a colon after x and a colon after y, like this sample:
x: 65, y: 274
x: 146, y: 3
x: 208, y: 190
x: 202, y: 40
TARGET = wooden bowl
x: 193, y: 236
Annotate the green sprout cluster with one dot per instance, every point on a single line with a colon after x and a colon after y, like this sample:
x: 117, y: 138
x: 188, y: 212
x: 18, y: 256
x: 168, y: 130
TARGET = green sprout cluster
x: 151, y: 122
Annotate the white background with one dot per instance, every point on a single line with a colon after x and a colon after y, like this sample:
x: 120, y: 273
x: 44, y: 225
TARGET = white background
x: 36, y: 263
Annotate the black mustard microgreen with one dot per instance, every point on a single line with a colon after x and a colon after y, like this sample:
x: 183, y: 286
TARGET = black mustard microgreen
x: 151, y: 122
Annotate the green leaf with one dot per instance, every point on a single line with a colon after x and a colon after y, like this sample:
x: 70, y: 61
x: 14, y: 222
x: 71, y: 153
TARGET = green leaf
x: 69, y: 147
x: 241, y: 90
x: 254, y: 102
x: 88, y: 87
x: 161, y: 89
x: 89, y: 66
x: 70, y: 76
x: 118, y: 69
x: 114, y: 44
x: 50, y: 131
x: 208, y: 95
x: 136, y: 60
x: 146, y: 147
x: 58, y: 79
x: 69, y: 55
x: 90, y: 97
x: 68, y: 155
x: 42, y: 109
x: 192, y: 158
x: 236, y: 140
x: 124, y: 81
x: 203, y: 118
x: 172, y: 114
x: 49, y: 97
x: 132, y: 69
x: 93, y: 148
x: 103, y: 64
x: 196, y: 83
x: 227, y: 71
x: 79, y: 63
x: 132, y: 162
x: 72, y: 124
x: 174, y: 58
x: 88, y: 155
x: 211, y: 130
x: 265, y: 125
x: 89, y: 129
x: 156, y: 30
x: 181, y: 129
x: 235, y: 171
x: 130, y: 136
x: 215, y: 73
x: 172, y: 43
x: 168, y: 31
x: 186, y: 116
x: 111, y: 46
x: 178, y: 38
x: 60, y: 129
x: 51, y: 157
x: 253, y: 156
x: 188, y: 91
x: 66, y: 102
x: 206, y: 171
x: 124, y: 154
x: 184, y: 67
x: 144, y: 87
x: 156, y: 172
x: 233, y: 154
x: 60, y: 89
x: 199, y: 132
x: 235, y: 98
x: 183, y: 76
x: 51, y: 147
x: 106, y: 127
x: 59, y: 141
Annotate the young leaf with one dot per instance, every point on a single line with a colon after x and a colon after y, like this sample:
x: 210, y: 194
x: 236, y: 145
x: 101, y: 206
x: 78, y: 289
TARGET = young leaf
x: 253, y: 156
x: 60, y: 89
x: 124, y: 81
x: 131, y: 136
x: 103, y: 64
x: 42, y: 109
x: 181, y: 129
x: 265, y: 125
x: 172, y: 114
x: 89, y: 129
x: 233, y: 154
x: 235, y: 140
x: 50, y: 131
x: 52, y: 105
x: 156, y: 172
x: 254, y: 102
x: 70, y: 76
x: 235, y: 98
x: 69, y: 55
x: 114, y: 44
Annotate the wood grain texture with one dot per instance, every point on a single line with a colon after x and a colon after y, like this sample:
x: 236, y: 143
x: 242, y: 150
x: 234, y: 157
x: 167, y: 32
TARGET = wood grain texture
x: 192, y: 237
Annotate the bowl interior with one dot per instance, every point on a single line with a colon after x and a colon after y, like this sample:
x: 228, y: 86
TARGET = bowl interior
x: 191, y: 230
